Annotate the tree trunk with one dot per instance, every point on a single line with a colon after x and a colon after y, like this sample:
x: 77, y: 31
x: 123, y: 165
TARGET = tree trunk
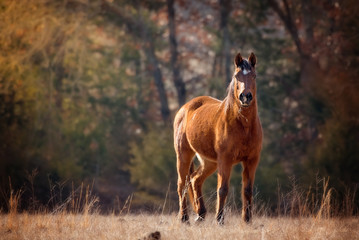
x: 286, y: 17
x: 307, y: 12
x: 225, y: 9
x: 157, y: 75
x: 138, y: 28
x: 178, y: 81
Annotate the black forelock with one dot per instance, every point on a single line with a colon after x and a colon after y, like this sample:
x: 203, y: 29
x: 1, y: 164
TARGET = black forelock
x: 244, y: 65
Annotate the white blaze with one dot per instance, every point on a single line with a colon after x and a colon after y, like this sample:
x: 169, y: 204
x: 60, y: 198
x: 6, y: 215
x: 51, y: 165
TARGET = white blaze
x: 245, y: 72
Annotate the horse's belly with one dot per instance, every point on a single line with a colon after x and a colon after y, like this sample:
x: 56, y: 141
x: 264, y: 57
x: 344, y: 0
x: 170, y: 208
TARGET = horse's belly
x: 204, y: 150
x: 203, y: 159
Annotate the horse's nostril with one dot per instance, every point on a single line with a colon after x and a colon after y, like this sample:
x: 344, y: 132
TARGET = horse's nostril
x: 249, y: 97
x: 245, y: 98
x: 241, y: 97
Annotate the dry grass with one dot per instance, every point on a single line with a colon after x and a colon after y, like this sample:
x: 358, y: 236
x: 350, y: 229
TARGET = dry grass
x: 94, y: 226
x: 77, y: 218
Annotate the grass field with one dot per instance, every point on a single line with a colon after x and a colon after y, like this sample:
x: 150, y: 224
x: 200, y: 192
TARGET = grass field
x: 78, y: 218
x: 94, y: 226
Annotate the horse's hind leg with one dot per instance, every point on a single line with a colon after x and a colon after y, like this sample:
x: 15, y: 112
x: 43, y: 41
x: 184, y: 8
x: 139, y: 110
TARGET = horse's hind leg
x: 184, y: 159
x: 197, y: 179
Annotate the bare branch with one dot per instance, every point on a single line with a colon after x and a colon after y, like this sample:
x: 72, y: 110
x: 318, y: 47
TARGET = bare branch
x: 288, y: 21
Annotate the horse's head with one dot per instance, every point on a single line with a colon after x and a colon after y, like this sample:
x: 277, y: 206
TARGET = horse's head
x: 245, y: 79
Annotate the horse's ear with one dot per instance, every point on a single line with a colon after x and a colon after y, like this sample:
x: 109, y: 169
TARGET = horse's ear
x: 238, y: 60
x: 252, y: 59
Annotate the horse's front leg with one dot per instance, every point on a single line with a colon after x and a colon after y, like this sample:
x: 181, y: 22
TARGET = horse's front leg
x: 248, y: 174
x: 224, y: 172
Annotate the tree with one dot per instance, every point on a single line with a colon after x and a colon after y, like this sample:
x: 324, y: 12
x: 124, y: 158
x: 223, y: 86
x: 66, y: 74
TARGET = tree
x: 225, y: 11
x: 176, y: 70
x: 67, y: 100
x: 142, y: 31
x: 327, y: 64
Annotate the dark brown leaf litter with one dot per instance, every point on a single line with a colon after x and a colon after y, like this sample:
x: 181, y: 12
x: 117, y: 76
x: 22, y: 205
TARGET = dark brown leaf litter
x: 153, y: 236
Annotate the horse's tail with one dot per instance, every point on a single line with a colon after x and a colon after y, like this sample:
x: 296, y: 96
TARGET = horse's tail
x: 190, y: 188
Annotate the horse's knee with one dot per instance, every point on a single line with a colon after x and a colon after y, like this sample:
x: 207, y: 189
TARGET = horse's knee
x: 223, y: 191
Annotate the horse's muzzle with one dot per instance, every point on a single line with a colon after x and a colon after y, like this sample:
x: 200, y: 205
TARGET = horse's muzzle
x: 245, y: 99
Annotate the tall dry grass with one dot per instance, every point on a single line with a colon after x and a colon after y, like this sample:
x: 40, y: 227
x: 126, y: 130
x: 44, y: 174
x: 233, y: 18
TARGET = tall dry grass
x: 320, y: 201
x: 301, y: 215
x: 130, y: 226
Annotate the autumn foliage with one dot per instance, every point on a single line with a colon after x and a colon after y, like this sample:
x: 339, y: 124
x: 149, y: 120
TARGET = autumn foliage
x: 88, y: 91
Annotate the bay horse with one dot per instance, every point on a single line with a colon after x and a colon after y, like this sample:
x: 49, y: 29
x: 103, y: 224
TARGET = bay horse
x: 220, y: 134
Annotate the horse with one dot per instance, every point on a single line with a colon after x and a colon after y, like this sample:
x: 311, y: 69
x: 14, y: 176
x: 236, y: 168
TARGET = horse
x: 221, y: 134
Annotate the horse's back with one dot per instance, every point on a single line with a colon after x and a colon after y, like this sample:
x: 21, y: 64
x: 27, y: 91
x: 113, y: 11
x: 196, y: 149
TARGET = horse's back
x: 192, y: 106
x: 198, y: 102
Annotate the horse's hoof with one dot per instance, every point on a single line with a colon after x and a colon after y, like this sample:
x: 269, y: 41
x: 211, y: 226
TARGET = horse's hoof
x: 247, y: 219
x: 199, y: 219
x: 220, y: 220
x: 185, y: 219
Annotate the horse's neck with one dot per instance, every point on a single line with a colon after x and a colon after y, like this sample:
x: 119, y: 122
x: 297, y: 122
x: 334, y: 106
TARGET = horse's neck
x: 244, y: 116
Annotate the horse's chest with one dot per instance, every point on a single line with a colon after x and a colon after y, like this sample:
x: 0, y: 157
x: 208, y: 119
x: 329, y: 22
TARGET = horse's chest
x: 244, y: 138
x: 241, y: 142
x: 238, y: 144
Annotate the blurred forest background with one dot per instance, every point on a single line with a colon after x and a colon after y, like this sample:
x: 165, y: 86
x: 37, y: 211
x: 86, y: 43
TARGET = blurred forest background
x: 89, y: 89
